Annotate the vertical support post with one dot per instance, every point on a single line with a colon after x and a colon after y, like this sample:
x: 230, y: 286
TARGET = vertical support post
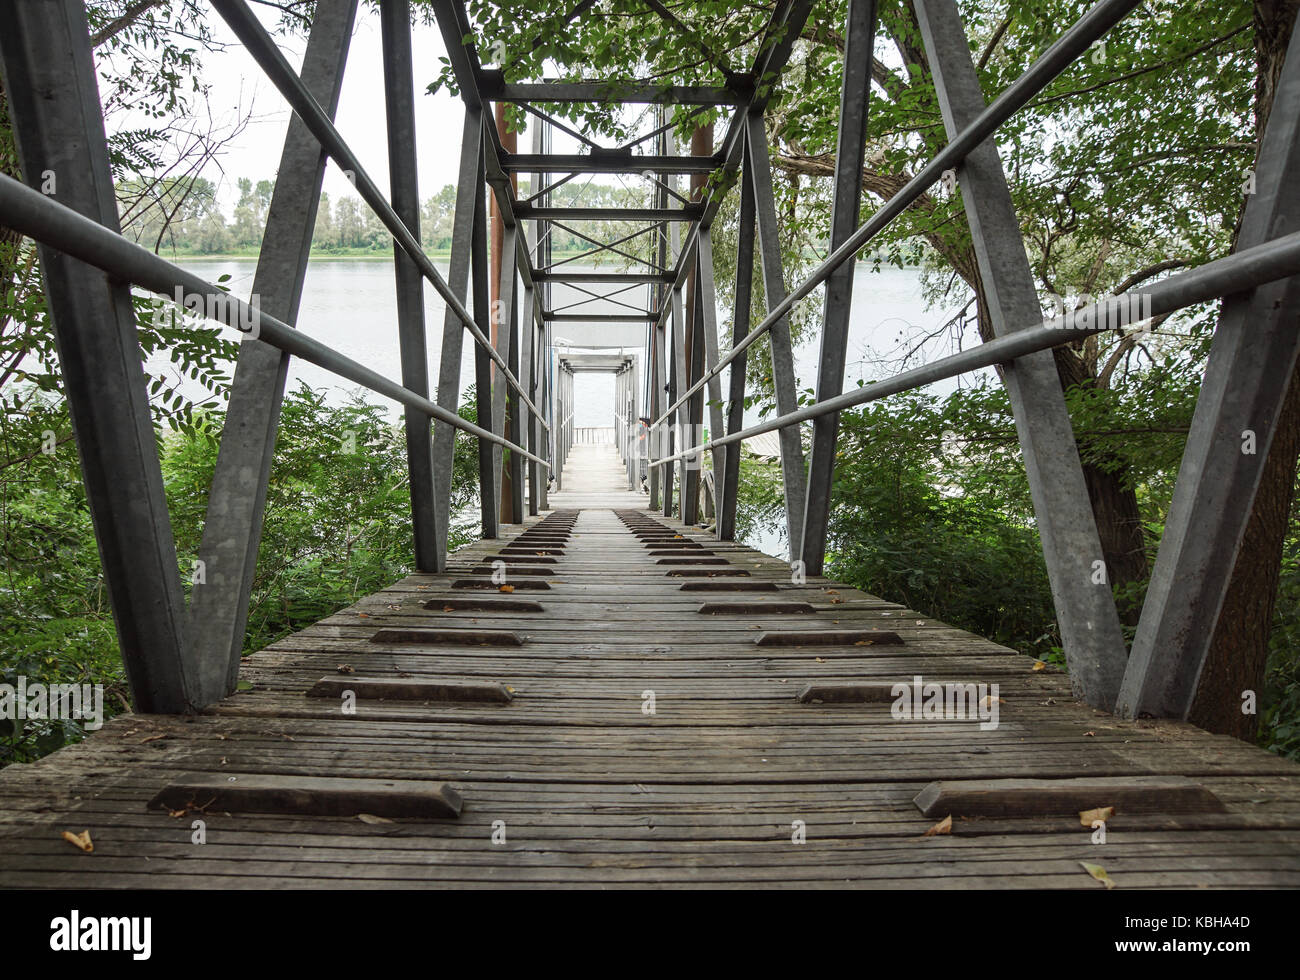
x: 679, y: 383
x: 232, y: 532
x: 850, y: 156
x: 463, y: 249
x: 694, y: 407
x: 1250, y: 368
x: 528, y: 335
x: 1085, y: 608
x: 736, y: 369
x: 399, y: 100
x: 54, y: 106
x: 488, y: 491
x: 548, y: 405
x: 515, y: 411
x: 708, y: 333
x: 655, y: 368
x: 542, y: 356
x: 783, y: 379
x: 503, y: 322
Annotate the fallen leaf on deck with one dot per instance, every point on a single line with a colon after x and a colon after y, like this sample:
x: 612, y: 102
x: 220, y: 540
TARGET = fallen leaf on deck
x: 820, y: 660
x: 448, y: 608
x: 371, y: 818
x: 81, y: 840
x: 364, y: 615
x: 1098, y: 872
x: 989, y: 699
x: 507, y: 588
x: 863, y: 643
x: 153, y: 738
x: 345, y: 669
x: 1089, y: 734
x: 1102, y: 813
x: 944, y: 826
x: 1040, y: 665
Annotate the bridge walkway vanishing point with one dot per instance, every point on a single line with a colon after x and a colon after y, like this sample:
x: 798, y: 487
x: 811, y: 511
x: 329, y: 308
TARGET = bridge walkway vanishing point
x: 653, y: 736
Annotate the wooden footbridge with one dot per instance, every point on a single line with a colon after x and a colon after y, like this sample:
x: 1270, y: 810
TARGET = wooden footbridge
x: 604, y: 691
x: 649, y: 706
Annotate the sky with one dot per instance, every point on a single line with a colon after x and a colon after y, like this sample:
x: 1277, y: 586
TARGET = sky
x: 238, y: 84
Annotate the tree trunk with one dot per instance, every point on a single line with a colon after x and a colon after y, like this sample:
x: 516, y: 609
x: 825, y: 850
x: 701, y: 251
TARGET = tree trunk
x: 1239, y: 651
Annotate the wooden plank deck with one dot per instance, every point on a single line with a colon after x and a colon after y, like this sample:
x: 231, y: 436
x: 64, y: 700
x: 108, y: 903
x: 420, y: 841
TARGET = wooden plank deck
x: 592, y: 791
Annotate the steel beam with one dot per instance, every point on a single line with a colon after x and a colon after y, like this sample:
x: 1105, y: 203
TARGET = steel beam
x: 496, y: 89
x: 503, y: 320
x: 488, y: 492
x: 736, y: 379
x: 533, y: 212
x: 783, y: 378
x: 708, y: 334
x: 1085, y: 607
x: 514, y: 410
x: 850, y: 157
x: 528, y: 324
x: 463, y: 245
x: 54, y: 107
x: 608, y: 163
x: 1251, y: 364
x: 609, y: 278
x: 232, y: 531
x: 399, y: 100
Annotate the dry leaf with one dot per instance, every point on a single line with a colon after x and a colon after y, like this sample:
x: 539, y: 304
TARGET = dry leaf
x: 345, y: 669
x: 507, y: 588
x: 448, y: 608
x: 820, y: 660
x: 1040, y: 665
x: 863, y: 643
x: 177, y: 813
x: 1102, y: 813
x: 1098, y: 872
x: 81, y: 840
x: 989, y: 699
x: 364, y: 615
x: 833, y: 601
x: 1089, y: 734
x: 371, y: 818
x: 153, y: 738
x: 944, y: 826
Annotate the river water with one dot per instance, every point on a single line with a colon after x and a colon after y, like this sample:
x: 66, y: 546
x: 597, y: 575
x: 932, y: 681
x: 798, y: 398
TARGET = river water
x: 350, y: 305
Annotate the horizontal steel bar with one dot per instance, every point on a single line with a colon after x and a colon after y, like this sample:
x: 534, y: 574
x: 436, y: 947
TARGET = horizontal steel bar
x: 605, y: 277
x: 264, y: 51
x: 494, y: 89
x: 532, y: 212
x: 586, y: 163
x: 1053, y: 61
x: 1234, y: 273
x: 39, y: 217
x: 598, y: 317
